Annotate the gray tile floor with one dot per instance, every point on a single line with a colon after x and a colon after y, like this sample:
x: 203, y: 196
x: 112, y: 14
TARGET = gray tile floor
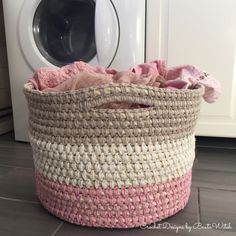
x: 212, y: 201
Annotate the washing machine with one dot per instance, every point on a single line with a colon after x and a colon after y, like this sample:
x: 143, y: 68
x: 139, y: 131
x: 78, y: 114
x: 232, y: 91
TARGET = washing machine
x: 53, y: 33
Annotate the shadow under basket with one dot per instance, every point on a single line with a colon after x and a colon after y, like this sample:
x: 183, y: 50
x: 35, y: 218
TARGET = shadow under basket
x: 116, y: 168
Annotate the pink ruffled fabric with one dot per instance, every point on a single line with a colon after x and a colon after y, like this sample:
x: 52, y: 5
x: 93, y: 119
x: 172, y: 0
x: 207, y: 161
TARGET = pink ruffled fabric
x: 82, y: 75
x: 82, y: 80
x: 182, y: 77
x: 47, y: 77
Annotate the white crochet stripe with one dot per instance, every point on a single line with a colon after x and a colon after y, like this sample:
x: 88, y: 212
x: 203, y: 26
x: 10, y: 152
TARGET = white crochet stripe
x: 114, y: 165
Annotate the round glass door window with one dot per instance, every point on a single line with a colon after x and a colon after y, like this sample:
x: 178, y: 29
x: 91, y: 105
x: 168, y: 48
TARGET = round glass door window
x: 64, y: 30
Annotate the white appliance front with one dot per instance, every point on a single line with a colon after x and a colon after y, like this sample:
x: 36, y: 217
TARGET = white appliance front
x: 53, y: 33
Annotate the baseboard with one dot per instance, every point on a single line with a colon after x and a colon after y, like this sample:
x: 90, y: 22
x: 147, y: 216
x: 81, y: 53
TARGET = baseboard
x: 6, y: 124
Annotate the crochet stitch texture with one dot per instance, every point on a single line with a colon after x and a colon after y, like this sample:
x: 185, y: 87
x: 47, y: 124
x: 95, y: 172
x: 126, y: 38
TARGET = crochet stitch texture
x: 117, y: 168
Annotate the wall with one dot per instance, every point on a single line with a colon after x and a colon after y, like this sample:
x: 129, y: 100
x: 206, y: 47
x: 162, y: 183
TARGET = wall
x: 6, y: 123
x: 203, y: 34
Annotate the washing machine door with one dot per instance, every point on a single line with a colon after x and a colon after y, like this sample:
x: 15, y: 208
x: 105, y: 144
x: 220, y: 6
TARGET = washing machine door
x: 59, y: 32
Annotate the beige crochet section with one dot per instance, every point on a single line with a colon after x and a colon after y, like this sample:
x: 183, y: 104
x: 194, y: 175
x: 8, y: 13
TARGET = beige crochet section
x: 72, y: 117
x: 113, y: 165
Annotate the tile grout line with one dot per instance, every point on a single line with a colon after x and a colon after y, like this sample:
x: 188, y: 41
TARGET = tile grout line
x: 13, y: 166
x: 199, y: 205
x: 19, y: 200
x: 212, y: 188
x: 16, y: 146
x: 57, y: 229
x: 213, y: 170
x: 215, y: 147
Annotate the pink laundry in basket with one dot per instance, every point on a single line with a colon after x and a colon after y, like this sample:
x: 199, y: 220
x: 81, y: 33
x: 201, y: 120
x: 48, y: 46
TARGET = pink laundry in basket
x: 182, y: 77
x: 82, y: 75
x: 46, y: 77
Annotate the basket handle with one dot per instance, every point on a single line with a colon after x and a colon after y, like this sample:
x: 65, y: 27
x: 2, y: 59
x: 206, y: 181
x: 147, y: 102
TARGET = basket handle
x: 138, y: 94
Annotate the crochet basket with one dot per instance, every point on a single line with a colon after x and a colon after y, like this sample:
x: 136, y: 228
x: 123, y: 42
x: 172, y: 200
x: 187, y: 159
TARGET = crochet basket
x: 113, y: 167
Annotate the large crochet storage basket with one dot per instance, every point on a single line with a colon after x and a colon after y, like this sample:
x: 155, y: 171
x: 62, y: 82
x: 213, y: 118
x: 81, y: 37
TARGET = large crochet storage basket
x: 113, y: 167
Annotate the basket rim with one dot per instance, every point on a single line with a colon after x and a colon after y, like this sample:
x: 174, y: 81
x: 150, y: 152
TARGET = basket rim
x: 28, y: 87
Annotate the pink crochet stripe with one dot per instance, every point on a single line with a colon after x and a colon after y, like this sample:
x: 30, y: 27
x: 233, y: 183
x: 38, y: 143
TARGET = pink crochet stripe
x: 118, y: 207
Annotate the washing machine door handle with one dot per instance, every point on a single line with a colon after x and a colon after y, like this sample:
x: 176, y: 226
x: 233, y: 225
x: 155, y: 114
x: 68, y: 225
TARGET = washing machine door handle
x: 107, y: 31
